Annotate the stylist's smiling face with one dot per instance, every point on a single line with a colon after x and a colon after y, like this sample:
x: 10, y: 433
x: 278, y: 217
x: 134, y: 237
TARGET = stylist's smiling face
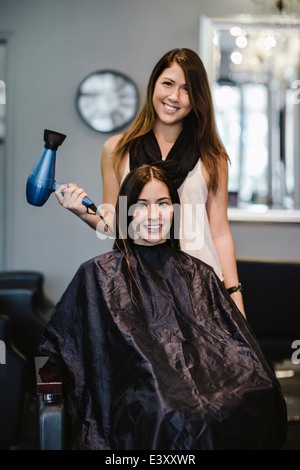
x: 170, y: 98
x: 152, y: 215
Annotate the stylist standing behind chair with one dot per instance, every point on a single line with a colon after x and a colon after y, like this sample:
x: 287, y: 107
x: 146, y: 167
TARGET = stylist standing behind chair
x: 175, y: 130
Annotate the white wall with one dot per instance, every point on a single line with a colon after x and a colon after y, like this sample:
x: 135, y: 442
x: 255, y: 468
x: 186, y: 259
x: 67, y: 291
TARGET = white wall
x: 52, y: 46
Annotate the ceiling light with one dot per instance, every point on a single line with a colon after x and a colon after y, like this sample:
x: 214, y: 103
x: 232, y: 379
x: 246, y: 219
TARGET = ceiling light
x: 235, y: 31
x: 236, y: 57
x: 241, y: 41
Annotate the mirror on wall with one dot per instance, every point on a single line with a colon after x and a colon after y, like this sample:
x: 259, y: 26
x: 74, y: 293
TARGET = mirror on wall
x: 2, y: 149
x: 254, y: 66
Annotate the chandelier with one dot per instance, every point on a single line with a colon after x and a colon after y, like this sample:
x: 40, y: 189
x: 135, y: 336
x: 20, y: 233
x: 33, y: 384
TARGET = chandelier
x: 284, y: 5
x: 280, y: 7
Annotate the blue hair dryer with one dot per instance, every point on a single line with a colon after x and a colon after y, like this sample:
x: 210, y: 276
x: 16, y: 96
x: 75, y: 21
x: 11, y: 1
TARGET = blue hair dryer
x: 41, y: 181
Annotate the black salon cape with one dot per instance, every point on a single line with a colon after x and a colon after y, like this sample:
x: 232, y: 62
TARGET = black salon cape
x: 176, y: 375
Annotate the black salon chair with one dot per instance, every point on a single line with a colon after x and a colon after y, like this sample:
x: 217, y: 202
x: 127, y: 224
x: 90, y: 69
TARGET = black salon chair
x: 270, y: 294
x: 52, y: 422
x: 13, y: 378
x: 270, y: 298
x: 23, y: 300
x: 26, y: 310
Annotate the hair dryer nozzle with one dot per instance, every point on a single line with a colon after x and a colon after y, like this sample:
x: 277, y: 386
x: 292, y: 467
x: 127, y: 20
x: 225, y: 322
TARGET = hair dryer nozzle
x: 41, y: 179
x: 53, y: 139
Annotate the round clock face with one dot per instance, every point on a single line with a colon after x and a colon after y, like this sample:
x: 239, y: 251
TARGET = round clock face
x: 107, y: 100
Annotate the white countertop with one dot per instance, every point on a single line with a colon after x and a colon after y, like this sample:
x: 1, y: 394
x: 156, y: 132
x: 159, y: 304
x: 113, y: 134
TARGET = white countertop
x: 258, y: 213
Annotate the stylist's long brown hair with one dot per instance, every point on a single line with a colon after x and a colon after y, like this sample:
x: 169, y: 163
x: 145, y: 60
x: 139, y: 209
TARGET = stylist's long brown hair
x: 200, y: 121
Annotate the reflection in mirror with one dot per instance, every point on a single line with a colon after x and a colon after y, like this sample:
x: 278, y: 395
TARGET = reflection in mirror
x: 2, y: 92
x: 2, y: 148
x: 256, y: 92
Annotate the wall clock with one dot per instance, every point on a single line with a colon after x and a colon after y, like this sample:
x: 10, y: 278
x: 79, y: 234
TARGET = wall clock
x: 107, y: 100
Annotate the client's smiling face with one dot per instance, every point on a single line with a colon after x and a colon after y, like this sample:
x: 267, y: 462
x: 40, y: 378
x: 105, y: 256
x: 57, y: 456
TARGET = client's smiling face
x: 152, y: 215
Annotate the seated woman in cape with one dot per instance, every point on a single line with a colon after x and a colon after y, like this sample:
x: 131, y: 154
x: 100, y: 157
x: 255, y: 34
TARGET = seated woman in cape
x: 153, y: 352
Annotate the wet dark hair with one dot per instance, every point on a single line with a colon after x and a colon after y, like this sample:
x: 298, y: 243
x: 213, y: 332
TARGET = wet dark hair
x: 131, y: 188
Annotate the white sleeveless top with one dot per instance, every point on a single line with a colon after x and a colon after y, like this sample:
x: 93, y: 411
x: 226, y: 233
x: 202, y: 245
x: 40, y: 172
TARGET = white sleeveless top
x: 195, y: 234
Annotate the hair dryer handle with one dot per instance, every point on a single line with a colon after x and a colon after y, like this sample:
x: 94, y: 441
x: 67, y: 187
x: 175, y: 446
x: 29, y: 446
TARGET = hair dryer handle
x: 86, y: 200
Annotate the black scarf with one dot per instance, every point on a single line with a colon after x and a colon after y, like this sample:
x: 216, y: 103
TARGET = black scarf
x: 181, y: 159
